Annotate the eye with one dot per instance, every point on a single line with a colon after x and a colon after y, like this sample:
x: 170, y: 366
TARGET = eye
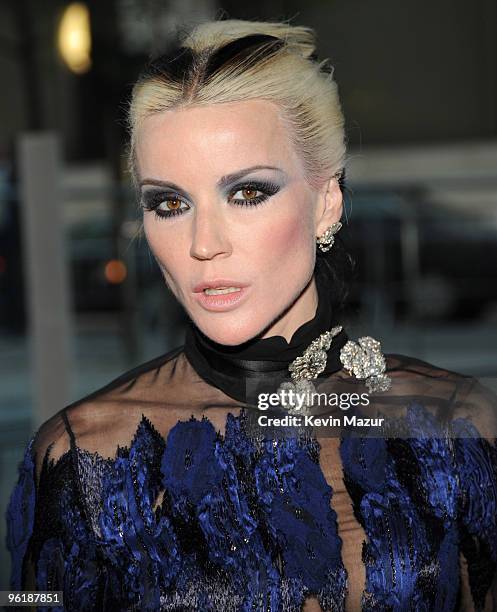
x: 171, y: 205
x: 252, y: 194
x: 248, y: 193
x: 164, y: 205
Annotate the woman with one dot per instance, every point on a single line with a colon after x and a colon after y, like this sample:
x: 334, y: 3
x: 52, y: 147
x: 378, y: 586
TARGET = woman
x: 164, y: 490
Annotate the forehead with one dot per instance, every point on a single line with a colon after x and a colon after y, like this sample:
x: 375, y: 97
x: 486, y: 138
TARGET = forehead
x: 216, y: 138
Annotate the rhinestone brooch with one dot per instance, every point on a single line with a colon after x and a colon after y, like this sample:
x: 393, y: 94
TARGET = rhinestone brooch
x: 365, y: 360
x: 308, y: 366
x: 313, y: 360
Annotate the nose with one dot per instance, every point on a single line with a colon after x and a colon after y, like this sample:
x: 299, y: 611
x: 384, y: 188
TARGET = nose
x: 209, y: 234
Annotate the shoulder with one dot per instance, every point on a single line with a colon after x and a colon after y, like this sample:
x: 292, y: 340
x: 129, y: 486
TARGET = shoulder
x: 396, y: 362
x: 424, y: 376
x: 136, y: 378
x: 466, y: 396
x: 105, y: 413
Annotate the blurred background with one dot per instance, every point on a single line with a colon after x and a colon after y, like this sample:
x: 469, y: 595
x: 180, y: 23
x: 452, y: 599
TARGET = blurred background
x: 82, y: 300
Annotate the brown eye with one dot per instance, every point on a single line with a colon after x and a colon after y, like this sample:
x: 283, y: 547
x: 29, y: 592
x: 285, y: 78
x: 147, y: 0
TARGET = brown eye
x: 249, y: 193
x: 252, y: 193
x: 164, y: 205
x: 173, y: 204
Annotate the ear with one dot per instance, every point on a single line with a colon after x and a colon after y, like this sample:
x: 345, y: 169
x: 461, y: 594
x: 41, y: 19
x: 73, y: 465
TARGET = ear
x: 329, y: 205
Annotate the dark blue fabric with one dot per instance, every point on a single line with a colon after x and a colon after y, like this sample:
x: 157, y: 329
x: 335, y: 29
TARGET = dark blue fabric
x: 408, y: 508
x: 20, y: 515
x: 246, y: 524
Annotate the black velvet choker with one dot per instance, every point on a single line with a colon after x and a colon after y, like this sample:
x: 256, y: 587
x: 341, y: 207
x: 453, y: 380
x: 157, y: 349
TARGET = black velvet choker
x: 229, y: 367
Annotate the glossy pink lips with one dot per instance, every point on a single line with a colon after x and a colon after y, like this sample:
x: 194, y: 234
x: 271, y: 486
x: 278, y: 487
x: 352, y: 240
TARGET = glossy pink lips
x: 222, y: 302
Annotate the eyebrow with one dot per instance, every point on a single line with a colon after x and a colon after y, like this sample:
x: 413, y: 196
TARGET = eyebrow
x: 166, y: 185
x: 234, y: 176
x: 225, y: 180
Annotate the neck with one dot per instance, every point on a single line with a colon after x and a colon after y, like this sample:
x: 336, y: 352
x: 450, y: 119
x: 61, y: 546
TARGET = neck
x: 301, y: 311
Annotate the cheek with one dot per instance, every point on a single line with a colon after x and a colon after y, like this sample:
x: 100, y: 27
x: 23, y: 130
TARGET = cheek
x: 290, y: 235
x: 294, y: 233
x: 154, y: 237
x: 167, y: 246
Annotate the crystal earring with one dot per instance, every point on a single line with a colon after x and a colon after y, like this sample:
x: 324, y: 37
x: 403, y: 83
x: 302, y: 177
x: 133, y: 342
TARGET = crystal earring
x: 327, y: 239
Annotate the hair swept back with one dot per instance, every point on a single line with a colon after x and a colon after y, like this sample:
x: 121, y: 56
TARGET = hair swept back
x: 234, y: 60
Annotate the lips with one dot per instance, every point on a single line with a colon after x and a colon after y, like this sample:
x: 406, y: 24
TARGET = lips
x: 218, y: 283
x: 221, y: 301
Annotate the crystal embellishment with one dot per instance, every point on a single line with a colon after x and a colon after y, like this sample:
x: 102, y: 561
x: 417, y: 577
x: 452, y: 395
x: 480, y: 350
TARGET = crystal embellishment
x: 327, y: 240
x: 307, y: 367
x: 304, y: 389
x: 365, y: 360
x: 313, y: 361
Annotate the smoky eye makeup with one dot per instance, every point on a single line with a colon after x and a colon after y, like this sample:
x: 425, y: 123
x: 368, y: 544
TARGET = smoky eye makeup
x: 166, y: 203
x: 163, y: 202
x: 253, y: 192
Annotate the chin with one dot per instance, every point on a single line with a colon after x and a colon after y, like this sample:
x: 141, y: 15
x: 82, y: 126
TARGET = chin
x: 223, y: 333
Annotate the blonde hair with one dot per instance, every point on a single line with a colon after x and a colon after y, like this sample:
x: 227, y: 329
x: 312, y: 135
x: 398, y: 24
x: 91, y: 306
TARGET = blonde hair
x: 235, y: 60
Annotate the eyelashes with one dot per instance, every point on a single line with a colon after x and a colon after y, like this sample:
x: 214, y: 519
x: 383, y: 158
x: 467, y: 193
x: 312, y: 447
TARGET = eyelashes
x: 265, y: 189
x: 152, y: 199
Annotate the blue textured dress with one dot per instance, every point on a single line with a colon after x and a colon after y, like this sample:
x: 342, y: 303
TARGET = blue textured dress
x: 195, y: 512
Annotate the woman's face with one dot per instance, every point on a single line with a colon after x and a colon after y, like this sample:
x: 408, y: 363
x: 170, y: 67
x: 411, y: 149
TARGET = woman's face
x: 226, y: 204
